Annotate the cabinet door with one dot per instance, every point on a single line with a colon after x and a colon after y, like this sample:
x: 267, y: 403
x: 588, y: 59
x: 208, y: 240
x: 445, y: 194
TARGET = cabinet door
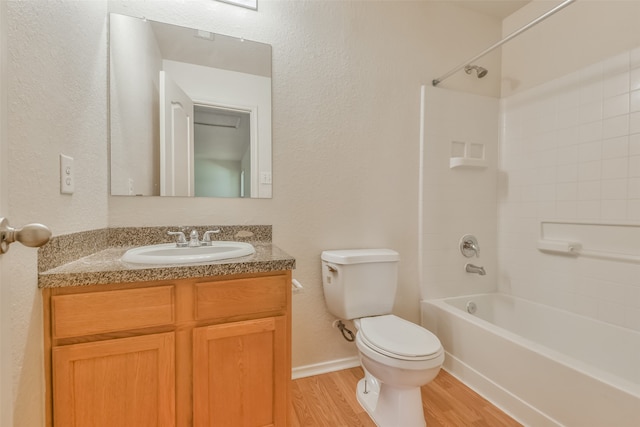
x: 119, y: 382
x: 240, y: 376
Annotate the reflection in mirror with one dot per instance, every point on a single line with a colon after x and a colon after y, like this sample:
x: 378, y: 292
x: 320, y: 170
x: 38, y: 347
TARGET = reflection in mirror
x: 190, y: 112
x: 222, y: 152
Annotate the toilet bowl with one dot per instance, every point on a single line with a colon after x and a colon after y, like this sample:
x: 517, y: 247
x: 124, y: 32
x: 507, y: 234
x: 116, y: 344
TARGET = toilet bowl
x: 398, y: 358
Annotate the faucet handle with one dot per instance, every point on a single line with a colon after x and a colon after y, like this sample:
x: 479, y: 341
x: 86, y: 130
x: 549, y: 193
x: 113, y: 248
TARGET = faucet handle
x: 469, y: 246
x: 182, y: 241
x: 206, y: 238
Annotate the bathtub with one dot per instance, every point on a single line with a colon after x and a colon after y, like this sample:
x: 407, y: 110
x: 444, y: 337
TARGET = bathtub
x: 541, y: 365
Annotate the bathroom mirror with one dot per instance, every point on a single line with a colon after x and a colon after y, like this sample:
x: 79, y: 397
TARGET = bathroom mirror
x: 190, y: 112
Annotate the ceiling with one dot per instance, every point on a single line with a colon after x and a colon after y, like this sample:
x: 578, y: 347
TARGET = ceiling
x: 498, y: 8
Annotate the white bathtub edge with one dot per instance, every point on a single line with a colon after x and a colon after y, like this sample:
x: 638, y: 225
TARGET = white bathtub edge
x: 507, y: 402
x: 529, y: 372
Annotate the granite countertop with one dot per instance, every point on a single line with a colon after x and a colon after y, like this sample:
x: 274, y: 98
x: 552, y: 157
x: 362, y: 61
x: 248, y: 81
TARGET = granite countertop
x: 103, y: 265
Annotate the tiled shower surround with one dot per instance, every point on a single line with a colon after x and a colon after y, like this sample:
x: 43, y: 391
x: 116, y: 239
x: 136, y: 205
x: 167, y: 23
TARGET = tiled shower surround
x: 570, y: 151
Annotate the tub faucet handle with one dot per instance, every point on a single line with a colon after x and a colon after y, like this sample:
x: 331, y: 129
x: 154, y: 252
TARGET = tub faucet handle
x: 469, y: 246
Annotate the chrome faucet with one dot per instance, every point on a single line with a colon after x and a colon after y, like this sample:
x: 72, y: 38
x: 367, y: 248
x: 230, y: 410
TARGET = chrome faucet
x: 193, y: 238
x: 470, y: 268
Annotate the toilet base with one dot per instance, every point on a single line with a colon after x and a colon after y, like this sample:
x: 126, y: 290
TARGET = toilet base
x: 390, y: 406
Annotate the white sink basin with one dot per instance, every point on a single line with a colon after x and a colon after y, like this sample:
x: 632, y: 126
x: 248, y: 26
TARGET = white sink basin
x: 169, y: 253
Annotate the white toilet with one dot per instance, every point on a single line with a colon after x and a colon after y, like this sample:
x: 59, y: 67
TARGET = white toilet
x: 398, y: 356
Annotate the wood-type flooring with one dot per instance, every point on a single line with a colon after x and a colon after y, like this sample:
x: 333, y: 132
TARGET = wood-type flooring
x: 329, y: 400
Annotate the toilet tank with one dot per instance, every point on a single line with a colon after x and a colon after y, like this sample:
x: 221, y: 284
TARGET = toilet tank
x: 359, y: 282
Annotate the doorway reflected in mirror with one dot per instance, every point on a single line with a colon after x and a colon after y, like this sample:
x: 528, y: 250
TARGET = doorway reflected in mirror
x: 222, y: 149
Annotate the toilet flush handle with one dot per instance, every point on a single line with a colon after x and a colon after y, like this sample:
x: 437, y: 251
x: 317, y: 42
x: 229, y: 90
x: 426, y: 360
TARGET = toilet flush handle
x: 332, y: 268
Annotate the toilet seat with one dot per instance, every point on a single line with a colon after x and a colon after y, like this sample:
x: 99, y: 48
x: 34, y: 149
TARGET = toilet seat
x: 397, y: 338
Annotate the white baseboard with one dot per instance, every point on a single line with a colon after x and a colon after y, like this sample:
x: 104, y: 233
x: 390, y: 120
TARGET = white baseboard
x: 325, y: 367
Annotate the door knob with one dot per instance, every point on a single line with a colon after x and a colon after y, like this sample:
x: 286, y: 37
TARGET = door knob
x: 32, y: 235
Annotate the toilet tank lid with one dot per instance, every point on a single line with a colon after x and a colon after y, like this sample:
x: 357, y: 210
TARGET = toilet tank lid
x: 358, y: 256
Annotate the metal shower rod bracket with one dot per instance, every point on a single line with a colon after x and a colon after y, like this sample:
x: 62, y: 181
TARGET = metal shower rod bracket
x: 516, y: 33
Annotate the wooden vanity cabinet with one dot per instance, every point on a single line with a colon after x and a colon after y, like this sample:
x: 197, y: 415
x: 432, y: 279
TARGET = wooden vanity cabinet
x: 195, y: 352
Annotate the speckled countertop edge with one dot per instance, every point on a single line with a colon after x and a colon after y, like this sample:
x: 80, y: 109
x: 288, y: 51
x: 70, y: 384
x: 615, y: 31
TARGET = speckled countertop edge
x: 93, y: 257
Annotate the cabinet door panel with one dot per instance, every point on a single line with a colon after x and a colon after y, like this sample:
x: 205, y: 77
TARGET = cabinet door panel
x: 239, y: 374
x: 122, y: 382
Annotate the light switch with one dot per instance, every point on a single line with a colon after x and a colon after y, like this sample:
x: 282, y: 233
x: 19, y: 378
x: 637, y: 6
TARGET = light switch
x: 67, y: 178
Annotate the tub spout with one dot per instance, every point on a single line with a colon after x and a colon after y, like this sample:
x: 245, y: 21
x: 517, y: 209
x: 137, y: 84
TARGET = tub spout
x: 470, y: 268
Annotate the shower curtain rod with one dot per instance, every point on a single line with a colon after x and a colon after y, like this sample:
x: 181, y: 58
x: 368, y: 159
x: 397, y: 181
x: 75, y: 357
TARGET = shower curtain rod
x: 516, y: 33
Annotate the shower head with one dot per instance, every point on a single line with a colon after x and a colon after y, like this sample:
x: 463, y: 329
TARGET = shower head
x: 481, y: 72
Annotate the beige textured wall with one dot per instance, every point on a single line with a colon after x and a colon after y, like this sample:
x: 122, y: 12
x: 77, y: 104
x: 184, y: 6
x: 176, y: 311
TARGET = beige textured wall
x: 6, y: 395
x: 56, y: 94
x: 346, y: 100
x: 346, y: 88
